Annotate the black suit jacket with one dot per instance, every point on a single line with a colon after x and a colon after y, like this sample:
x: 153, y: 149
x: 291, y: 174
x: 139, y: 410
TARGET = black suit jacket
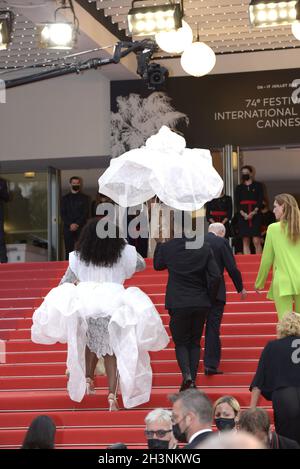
x: 194, y: 276
x: 74, y: 209
x: 225, y: 260
x: 198, y: 440
x: 281, y: 442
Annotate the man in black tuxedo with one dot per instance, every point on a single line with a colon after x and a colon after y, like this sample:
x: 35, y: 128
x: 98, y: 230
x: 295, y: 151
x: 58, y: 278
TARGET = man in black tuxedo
x: 192, y: 416
x: 225, y: 260
x: 192, y: 287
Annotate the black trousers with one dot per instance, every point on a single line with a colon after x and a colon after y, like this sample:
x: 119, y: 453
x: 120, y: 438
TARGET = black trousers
x: 3, y: 253
x: 212, y: 352
x: 286, y: 406
x: 70, y: 238
x: 186, y: 326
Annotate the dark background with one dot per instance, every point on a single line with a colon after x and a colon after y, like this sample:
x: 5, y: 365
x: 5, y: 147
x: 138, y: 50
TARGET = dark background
x: 200, y: 98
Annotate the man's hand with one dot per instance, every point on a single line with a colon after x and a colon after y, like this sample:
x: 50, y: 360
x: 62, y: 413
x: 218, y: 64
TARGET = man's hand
x: 74, y: 227
x: 243, y: 294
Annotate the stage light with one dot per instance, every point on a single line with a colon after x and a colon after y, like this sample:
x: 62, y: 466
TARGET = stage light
x: 56, y: 35
x: 265, y: 13
x: 6, y: 26
x: 147, y: 21
x: 59, y: 34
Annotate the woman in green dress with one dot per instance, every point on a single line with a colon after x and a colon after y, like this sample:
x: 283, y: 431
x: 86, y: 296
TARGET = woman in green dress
x: 282, y: 251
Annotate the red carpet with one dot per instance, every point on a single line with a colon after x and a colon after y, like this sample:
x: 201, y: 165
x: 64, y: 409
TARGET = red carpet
x: 33, y: 376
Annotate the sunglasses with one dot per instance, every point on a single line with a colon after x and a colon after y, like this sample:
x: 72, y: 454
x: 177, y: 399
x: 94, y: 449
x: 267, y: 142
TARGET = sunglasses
x: 160, y: 433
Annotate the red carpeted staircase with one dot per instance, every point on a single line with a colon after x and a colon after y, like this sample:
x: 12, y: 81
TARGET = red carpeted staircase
x: 33, y: 377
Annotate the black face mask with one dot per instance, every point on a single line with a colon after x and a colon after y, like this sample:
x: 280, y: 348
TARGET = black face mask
x: 178, y: 434
x: 76, y: 188
x: 154, y: 443
x: 224, y: 424
x: 245, y: 177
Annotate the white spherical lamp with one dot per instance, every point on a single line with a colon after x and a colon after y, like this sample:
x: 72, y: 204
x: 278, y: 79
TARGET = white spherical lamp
x: 296, y: 30
x: 175, y: 42
x: 198, y: 59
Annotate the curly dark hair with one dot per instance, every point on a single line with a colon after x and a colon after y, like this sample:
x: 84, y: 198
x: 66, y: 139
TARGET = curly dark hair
x: 97, y: 250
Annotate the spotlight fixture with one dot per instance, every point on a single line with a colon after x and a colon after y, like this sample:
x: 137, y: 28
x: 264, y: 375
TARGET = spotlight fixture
x: 265, y: 13
x: 56, y: 35
x: 147, y: 21
x: 59, y: 34
x: 6, y: 26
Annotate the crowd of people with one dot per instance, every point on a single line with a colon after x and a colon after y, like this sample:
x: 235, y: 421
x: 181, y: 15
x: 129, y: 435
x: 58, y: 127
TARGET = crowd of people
x: 101, y: 320
x: 246, y: 227
x: 195, y: 296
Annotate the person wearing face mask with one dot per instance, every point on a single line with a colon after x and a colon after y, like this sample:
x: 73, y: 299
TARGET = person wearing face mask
x: 159, y: 432
x: 192, y: 416
x: 74, y: 213
x: 249, y: 197
x: 226, y: 413
x: 282, y: 252
x: 257, y: 423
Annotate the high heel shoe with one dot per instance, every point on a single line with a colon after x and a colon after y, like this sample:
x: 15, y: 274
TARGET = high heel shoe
x: 90, y: 388
x: 112, y: 402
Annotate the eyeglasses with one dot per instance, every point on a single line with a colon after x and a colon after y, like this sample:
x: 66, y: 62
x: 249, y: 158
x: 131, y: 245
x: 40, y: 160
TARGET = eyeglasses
x: 160, y: 433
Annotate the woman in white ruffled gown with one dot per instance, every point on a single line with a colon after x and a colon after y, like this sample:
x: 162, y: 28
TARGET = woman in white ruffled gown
x: 98, y: 317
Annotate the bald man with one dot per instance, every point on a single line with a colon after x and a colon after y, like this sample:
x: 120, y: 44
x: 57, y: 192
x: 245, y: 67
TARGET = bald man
x: 225, y: 260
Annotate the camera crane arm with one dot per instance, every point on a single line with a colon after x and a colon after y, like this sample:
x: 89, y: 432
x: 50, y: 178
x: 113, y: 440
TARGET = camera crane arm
x: 122, y: 49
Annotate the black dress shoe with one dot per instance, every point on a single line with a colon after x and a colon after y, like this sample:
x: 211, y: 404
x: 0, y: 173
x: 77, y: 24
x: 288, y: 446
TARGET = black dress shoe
x: 212, y: 371
x: 186, y: 384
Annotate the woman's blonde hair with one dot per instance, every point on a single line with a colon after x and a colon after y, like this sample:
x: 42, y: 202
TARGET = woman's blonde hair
x: 289, y: 325
x: 230, y: 400
x: 291, y: 214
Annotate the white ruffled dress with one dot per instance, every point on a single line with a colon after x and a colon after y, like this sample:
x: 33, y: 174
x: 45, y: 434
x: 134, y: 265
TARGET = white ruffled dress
x: 134, y: 325
x: 183, y: 178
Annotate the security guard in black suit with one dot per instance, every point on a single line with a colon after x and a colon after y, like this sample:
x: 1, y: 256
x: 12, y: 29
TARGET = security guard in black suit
x: 225, y: 260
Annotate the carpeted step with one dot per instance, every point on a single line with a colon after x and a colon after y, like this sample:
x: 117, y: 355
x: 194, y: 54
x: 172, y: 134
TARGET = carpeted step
x: 32, y: 372
x: 158, y: 366
x: 226, y: 329
x: 166, y: 354
x: 159, y: 380
x: 83, y: 418
x: 44, y: 400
